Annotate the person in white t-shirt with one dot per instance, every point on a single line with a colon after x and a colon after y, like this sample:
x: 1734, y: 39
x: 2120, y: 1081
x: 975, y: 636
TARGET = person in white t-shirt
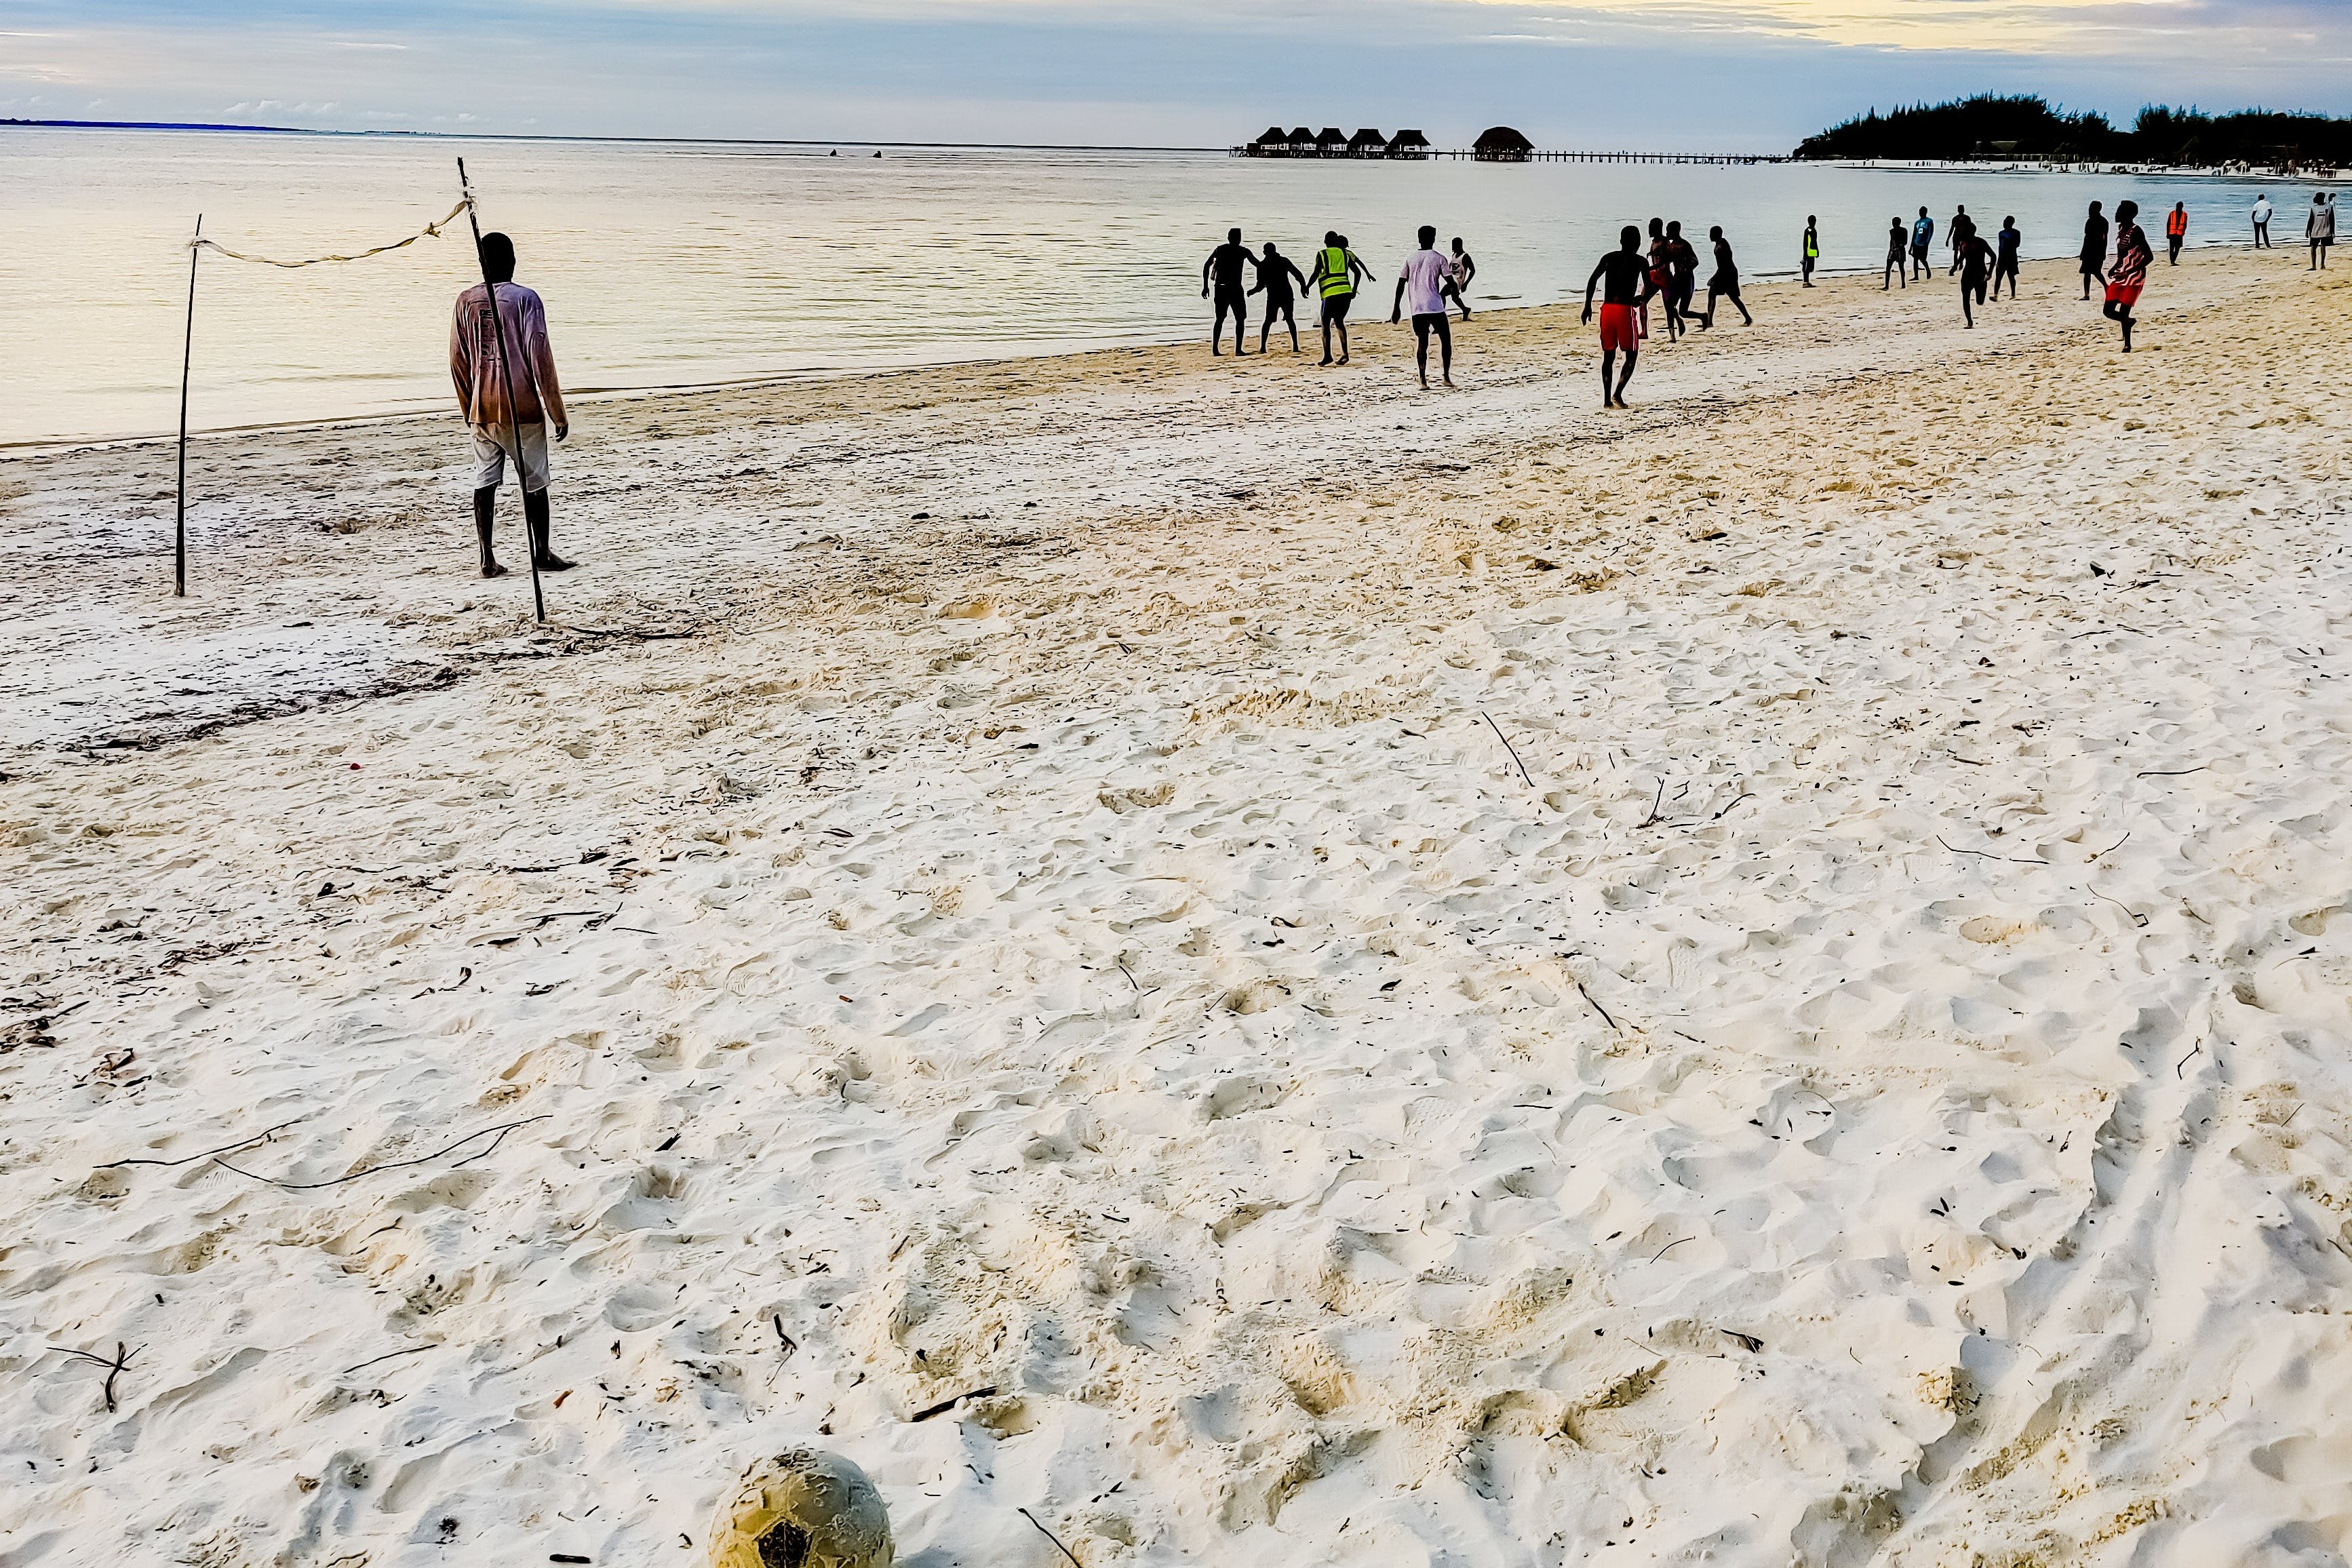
x: 2262, y: 223
x: 1422, y: 284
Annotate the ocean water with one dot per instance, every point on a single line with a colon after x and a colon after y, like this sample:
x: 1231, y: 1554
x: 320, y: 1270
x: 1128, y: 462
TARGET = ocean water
x: 678, y: 264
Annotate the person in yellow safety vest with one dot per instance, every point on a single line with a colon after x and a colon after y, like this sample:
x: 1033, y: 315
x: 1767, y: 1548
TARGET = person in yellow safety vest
x: 1336, y: 275
x: 1812, y: 248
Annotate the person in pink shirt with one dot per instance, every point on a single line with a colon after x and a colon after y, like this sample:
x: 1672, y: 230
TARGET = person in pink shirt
x: 1422, y: 283
x: 483, y: 362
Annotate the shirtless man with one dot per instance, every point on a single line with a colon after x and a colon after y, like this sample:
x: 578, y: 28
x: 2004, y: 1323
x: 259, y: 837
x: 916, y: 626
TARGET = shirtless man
x: 2004, y: 259
x: 1724, y: 283
x: 1225, y: 263
x: 482, y: 361
x: 1623, y: 278
x: 1895, y: 270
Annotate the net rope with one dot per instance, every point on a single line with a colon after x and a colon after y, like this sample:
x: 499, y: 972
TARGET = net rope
x: 430, y: 231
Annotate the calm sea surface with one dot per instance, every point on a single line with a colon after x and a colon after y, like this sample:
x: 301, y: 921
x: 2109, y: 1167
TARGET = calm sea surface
x: 676, y: 263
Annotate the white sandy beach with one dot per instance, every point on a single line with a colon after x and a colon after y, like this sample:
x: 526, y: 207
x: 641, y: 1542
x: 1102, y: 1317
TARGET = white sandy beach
x: 1377, y: 978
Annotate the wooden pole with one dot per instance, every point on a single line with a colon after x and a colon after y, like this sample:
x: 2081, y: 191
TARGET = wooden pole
x: 187, y: 358
x: 506, y: 374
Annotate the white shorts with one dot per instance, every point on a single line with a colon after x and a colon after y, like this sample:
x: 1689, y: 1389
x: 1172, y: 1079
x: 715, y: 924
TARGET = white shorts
x: 493, y: 444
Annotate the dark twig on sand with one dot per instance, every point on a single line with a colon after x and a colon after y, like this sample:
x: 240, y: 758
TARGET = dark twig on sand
x: 1530, y: 782
x: 261, y: 1137
x: 501, y: 1131
x: 1596, y: 1006
x: 1988, y: 855
x: 944, y: 1406
x: 113, y: 1368
x: 1051, y: 1537
x: 395, y: 1355
x: 2186, y: 1059
x: 2170, y: 773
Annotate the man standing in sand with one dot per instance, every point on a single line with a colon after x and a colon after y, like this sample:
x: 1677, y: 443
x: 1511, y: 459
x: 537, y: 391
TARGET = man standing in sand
x: 484, y: 358
x: 2176, y: 231
x: 1422, y: 284
x: 2262, y: 223
x: 1274, y: 276
x: 1812, y: 248
x: 2004, y: 258
x: 2319, y: 228
x: 1895, y: 270
x: 2094, y: 255
x: 1923, y: 235
x: 1964, y: 228
x: 1225, y: 266
x: 1976, y: 265
x: 2129, y: 274
x: 1625, y: 275
x: 1336, y: 272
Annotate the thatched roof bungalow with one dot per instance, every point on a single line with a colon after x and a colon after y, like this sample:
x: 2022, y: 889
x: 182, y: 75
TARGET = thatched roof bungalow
x: 1408, y: 144
x: 1501, y: 144
x: 1332, y: 142
x: 1367, y: 144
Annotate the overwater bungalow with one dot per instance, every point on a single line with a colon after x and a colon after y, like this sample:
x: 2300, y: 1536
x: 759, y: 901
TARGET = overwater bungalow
x: 1408, y: 144
x: 1501, y: 144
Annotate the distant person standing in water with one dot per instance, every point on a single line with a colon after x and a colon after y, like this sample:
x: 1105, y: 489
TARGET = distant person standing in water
x: 1724, y: 282
x: 1421, y: 285
x: 2262, y: 223
x: 2319, y: 228
x: 1895, y: 269
x: 1336, y: 272
x: 1812, y: 246
x: 493, y: 345
x: 1976, y: 263
x: 1274, y: 276
x: 1457, y: 288
x: 2094, y: 254
x: 1964, y: 228
x: 1224, y: 268
x: 2004, y: 256
x: 1620, y: 275
x: 2129, y: 274
x: 1923, y: 235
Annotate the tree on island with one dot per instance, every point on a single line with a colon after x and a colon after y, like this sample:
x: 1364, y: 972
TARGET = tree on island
x: 1991, y: 126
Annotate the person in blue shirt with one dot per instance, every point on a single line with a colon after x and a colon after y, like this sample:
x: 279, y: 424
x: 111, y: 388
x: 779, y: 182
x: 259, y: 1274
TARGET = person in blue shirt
x: 1923, y: 235
x: 2004, y: 260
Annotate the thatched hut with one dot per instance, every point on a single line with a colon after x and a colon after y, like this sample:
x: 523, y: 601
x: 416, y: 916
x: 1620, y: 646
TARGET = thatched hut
x: 1302, y: 141
x: 1408, y: 144
x: 1367, y: 144
x: 1501, y: 144
x: 1331, y: 142
x: 1272, y: 142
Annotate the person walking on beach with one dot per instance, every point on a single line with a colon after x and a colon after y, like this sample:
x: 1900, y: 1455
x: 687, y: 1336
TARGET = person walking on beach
x: 1923, y: 235
x: 2004, y: 256
x: 1683, y: 267
x: 1976, y: 262
x: 1724, y: 282
x: 1457, y: 288
x: 1422, y: 284
x: 2095, y: 249
x: 1626, y: 284
x: 1274, y: 276
x: 1895, y: 270
x: 1964, y: 228
x: 493, y: 344
x: 2176, y: 231
x: 2129, y: 274
x: 1662, y: 281
x: 2319, y: 229
x: 1336, y: 272
x: 2262, y: 223
x: 1812, y: 246
x: 1224, y: 268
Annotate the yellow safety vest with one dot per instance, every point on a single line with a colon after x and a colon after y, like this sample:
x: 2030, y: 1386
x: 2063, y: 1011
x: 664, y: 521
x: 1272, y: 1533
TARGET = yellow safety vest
x: 1812, y: 250
x: 1336, y: 280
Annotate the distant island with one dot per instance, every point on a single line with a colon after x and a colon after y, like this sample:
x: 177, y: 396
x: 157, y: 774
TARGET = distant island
x: 1992, y: 127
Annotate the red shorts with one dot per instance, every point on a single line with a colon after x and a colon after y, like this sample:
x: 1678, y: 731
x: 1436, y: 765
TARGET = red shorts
x: 1620, y: 329
x: 2128, y: 293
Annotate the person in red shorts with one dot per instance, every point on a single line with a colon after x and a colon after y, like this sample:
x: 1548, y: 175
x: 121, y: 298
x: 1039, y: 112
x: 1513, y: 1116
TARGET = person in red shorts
x: 2128, y: 276
x: 1623, y: 278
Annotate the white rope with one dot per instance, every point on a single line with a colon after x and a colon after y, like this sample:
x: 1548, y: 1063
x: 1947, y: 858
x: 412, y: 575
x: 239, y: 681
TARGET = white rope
x: 431, y: 231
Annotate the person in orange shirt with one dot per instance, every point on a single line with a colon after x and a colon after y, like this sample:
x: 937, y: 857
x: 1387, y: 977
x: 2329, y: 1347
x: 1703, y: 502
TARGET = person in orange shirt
x: 2175, y: 230
x: 480, y: 358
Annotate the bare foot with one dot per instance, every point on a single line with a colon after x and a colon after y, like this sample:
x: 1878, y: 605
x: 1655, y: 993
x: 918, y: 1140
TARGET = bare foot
x: 492, y: 569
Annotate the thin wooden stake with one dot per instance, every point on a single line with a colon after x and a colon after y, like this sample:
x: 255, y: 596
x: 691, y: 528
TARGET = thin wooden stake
x: 187, y: 358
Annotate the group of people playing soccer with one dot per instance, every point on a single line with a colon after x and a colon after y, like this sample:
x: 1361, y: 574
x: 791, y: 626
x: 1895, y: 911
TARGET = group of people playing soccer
x: 1432, y: 282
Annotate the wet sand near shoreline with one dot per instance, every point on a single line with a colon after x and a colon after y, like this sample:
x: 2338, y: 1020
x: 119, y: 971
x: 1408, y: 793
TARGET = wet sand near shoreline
x: 1360, y: 975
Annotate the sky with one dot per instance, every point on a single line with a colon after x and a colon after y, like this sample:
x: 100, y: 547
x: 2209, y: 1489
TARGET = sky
x: 1657, y: 75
